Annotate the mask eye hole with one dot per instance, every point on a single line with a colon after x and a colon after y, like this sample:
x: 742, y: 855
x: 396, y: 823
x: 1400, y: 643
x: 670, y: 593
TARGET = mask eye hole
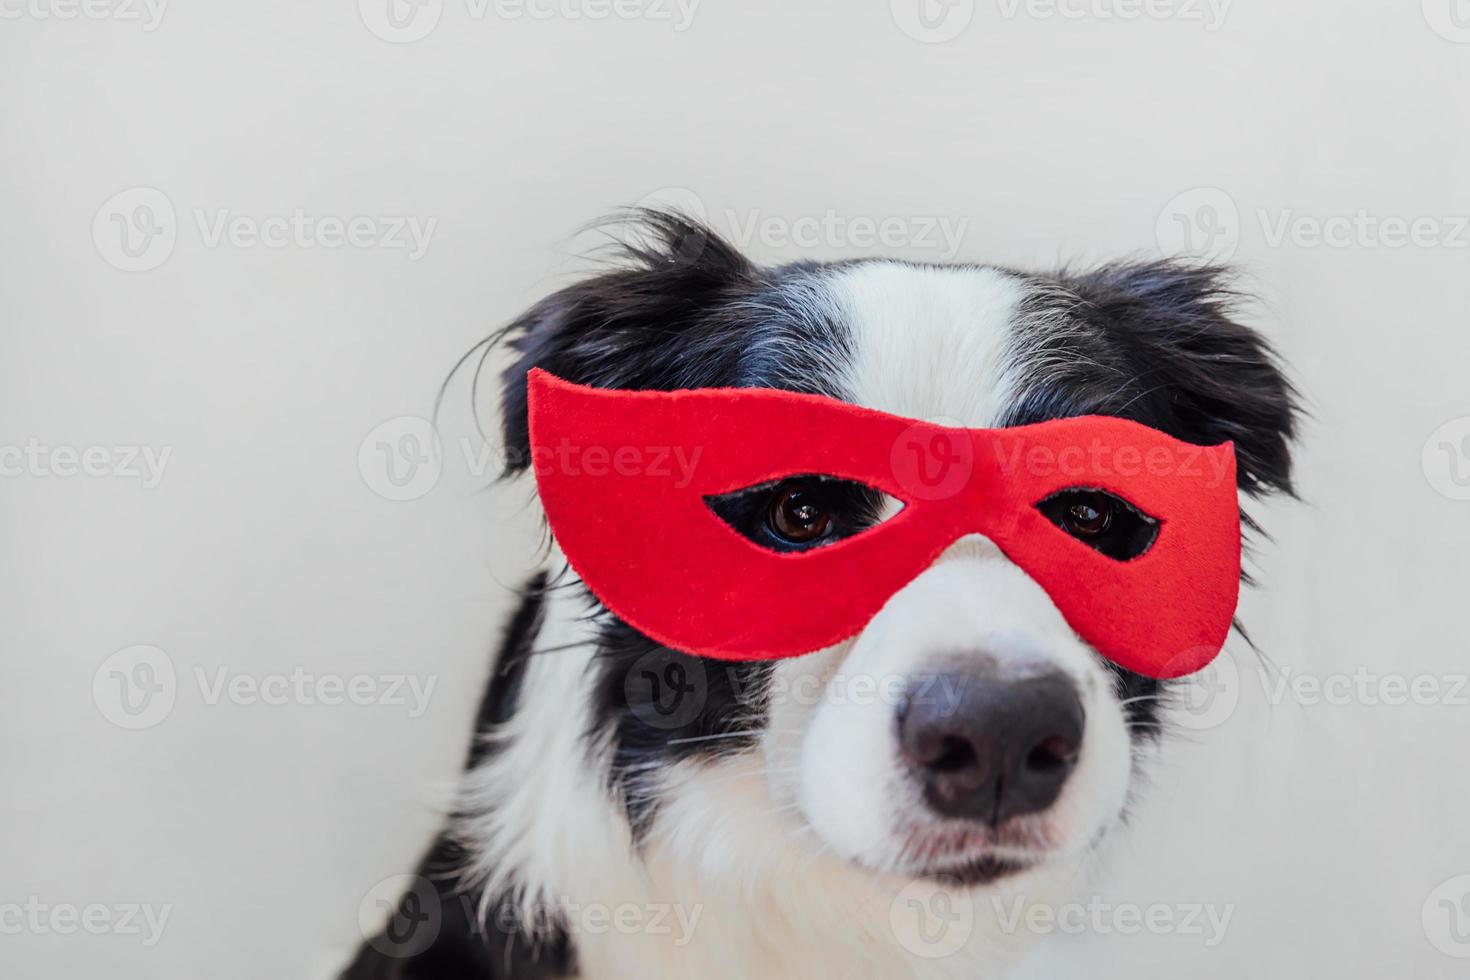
x: 802, y: 512
x: 1104, y: 522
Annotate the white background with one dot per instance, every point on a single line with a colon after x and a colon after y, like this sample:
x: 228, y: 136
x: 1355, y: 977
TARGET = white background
x: 262, y: 369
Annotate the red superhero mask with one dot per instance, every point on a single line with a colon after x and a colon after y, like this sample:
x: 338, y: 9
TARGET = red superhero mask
x: 625, y: 478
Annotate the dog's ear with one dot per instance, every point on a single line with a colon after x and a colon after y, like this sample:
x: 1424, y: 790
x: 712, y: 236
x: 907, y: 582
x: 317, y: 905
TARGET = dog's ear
x: 1192, y: 369
x: 646, y: 323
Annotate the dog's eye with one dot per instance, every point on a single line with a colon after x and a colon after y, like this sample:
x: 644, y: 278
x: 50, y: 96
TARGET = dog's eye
x: 801, y: 512
x: 1103, y: 522
x: 1088, y: 515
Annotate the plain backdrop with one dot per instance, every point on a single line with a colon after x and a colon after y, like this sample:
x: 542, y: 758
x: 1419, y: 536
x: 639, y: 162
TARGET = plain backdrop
x: 180, y: 273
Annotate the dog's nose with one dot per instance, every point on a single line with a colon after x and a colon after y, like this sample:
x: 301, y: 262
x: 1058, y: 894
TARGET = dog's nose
x: 988, y: 748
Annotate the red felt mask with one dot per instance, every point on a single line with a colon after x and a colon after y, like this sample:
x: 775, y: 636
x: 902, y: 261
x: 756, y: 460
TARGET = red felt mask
x: 624, y: 477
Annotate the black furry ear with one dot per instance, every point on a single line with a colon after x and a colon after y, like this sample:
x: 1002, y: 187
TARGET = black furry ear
x: 1191, y: 368
x: 645, y: 324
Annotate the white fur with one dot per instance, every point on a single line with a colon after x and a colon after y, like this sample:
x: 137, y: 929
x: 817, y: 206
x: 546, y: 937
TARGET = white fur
x: 792, y: 856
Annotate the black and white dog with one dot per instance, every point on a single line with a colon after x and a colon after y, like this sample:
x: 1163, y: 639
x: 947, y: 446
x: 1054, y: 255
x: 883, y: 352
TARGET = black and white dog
x: 632, y: 811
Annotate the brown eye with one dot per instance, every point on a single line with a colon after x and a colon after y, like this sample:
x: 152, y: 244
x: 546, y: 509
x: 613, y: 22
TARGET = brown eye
x: 799, y: 514
x: 1088, y: 515
x: 1105, y: 523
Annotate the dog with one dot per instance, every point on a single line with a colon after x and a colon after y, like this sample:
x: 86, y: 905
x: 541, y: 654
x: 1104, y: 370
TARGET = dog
x: 629, y: 810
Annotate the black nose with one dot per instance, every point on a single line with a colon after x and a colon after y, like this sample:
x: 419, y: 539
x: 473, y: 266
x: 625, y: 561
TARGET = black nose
x: 988, y: 748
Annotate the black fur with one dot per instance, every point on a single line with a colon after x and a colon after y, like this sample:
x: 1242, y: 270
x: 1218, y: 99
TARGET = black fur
x: 1157, y: 342
x: 470, y: 942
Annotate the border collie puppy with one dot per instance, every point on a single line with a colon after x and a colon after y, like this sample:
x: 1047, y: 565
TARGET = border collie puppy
x: 632, y: 811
